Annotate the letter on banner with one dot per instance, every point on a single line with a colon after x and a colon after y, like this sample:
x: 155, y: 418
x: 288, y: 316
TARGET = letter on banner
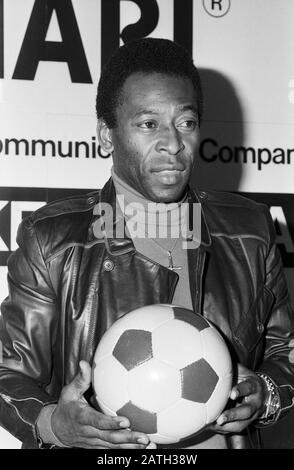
x: 110, y: 24
x: 35, y: 48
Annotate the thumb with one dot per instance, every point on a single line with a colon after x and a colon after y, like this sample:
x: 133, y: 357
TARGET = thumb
x: 80, y: 383
x: 243, y: 373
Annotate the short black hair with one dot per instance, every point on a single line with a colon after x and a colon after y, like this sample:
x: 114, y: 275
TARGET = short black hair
x: 147, y: 55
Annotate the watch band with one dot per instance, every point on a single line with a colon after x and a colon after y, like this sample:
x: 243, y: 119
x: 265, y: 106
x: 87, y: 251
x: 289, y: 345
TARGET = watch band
x: 273, y: 402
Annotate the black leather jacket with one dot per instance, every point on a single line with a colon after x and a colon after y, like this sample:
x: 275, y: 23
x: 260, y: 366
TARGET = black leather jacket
x: 67, y: 287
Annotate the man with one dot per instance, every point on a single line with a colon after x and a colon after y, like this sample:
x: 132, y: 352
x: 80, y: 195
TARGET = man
x: 71, y: 277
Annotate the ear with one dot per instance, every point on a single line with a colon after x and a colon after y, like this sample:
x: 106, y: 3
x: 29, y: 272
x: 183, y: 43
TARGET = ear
x: 104, y: 136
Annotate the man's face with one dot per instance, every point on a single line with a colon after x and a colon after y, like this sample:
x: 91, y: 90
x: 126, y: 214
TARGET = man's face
x: 156, y: 135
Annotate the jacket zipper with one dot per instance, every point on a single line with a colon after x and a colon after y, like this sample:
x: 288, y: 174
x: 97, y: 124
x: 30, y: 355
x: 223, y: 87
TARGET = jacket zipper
x: 91, y: 326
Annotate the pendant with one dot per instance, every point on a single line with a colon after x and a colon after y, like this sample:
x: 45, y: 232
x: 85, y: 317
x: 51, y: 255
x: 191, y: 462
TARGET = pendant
x: 171, y: 264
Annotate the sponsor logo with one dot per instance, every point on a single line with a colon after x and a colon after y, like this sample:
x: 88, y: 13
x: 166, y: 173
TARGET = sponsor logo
x: 217, y: 8
x: 36, y: 47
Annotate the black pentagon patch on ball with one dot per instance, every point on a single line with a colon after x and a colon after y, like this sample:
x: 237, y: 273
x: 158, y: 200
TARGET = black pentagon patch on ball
x: 133, y: 348
x: 190, y: 317
x: 141, y: 420
x: 198, y: 381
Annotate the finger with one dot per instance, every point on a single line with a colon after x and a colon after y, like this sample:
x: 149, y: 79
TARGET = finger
x: 108, y: 428
x: 129, y: 446
x: 101, y: 421
x: 239, y: 413
x: 112, y: 428
x: 228, y: 428
x: 80, y: 383
x: 217, y: 429
x: 95, y: 443
x: 244, y: 388
x: 88, y: 432
x: 125, y: 436
x: 126, y: 445
x: 234, y: 393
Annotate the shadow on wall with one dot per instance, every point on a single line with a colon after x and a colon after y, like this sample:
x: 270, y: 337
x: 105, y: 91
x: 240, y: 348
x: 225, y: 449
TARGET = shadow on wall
x: 221, y: 131
x: 222, y: 127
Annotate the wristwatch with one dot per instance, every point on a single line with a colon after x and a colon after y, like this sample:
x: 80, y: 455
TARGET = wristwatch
x: 273, y: 402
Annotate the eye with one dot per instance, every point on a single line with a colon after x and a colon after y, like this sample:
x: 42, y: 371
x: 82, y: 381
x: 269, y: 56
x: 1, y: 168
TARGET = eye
x: 188, y: 124
x: 148, y: 125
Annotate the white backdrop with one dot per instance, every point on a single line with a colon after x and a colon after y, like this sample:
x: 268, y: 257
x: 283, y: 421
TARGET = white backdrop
x: 244, y: 49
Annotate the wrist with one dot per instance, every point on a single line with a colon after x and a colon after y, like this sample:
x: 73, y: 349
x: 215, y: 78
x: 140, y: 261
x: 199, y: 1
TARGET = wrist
x: 272, y: 404
x: 44, y: 426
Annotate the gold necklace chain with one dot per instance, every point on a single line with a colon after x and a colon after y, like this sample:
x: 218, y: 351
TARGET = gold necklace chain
x: 169, y: 254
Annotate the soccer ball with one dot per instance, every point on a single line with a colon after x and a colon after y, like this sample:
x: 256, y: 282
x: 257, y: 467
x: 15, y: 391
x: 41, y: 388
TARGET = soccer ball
x: 165, y: 368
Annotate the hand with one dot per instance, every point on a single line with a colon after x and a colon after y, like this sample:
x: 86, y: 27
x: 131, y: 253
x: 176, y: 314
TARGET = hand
x: 251, y: 393
x: 76, y: 424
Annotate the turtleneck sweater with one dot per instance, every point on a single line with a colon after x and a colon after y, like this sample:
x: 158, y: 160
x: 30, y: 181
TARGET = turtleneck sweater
x: 156, y: 231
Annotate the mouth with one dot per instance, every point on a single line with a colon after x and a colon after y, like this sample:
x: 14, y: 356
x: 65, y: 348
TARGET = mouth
x: 168, y: 176
x: 169, y: 170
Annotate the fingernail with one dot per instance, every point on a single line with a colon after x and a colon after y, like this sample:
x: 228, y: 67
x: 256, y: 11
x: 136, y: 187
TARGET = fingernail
x: 123, y: 423
x: 234, y: 394
x: 143, y: 440
x: 151, y: 445
x: 221, y: 420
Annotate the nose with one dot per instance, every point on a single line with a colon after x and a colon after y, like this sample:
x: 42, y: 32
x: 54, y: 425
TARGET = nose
x: 170, y: 141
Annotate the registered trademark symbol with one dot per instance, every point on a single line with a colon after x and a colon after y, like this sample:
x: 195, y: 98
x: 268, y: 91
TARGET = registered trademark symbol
x: 217, y: 8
